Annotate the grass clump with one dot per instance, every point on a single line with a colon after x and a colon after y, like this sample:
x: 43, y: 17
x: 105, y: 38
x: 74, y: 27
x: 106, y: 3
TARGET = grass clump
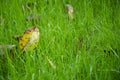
x: 83, y: 48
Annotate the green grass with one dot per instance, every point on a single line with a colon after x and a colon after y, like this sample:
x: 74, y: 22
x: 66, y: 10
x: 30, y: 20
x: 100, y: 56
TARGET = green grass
x: 97, y: 22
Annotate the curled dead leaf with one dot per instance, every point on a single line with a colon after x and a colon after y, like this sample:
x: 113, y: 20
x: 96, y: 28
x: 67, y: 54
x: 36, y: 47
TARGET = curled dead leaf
x: 70, y: 10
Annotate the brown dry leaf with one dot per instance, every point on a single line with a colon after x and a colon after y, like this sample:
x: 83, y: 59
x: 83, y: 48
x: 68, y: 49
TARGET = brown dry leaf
x: 80, y: 42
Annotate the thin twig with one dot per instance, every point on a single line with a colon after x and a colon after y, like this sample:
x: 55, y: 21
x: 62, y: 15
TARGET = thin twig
x: 51, y: 63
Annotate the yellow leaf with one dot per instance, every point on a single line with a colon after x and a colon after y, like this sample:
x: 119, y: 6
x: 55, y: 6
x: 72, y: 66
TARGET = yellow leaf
x: 29, y: 39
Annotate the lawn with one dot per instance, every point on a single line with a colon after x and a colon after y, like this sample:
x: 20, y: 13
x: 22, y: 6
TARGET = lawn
x: 86, y: 47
